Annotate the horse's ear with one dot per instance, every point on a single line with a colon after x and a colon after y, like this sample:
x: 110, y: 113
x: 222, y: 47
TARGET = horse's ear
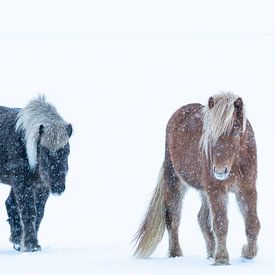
x: 69, y: 129
x: 238, y: 104
x: 41, y: 129
x: 211, y: 102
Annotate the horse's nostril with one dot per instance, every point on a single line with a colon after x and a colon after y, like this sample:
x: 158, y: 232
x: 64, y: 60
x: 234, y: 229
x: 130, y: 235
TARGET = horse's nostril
x: 223, y: 170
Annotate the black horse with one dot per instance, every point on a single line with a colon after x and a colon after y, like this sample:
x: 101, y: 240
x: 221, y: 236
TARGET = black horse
x: 34, y: 150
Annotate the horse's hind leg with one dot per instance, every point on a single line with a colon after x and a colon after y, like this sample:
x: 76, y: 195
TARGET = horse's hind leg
x: 247, y: 200
x: 204, y: 220
x: 173, y: 195
x: 14, y: 221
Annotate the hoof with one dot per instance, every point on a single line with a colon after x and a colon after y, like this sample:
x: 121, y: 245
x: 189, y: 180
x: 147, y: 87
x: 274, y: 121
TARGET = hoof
x: 175, y: 253
x: 34, y: 248
x: 222, y: 261
x: 210, y: 257
x: 249, y: 252
x: 16, y: 247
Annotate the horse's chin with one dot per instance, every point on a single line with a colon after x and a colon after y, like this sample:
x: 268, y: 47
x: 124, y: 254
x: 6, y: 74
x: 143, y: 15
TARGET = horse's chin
x: 58, y: 191
x: 56, y: 194
x: 221, y: 176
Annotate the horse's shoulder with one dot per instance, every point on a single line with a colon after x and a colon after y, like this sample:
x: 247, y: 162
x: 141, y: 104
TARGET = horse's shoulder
x: 186, y: 118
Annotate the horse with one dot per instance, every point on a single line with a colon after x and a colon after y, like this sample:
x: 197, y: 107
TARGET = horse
x: 212, y: 149
x: 34, y: 150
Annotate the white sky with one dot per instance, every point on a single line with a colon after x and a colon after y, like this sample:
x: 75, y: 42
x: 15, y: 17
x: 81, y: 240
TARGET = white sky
x: 136, y: 17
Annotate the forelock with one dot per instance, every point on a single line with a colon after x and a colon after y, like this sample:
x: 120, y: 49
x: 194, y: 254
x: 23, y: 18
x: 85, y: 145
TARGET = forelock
x: 36, y: 113
x: 218, y: 120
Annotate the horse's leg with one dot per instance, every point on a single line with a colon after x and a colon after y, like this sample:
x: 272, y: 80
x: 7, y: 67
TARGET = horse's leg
x: 204, y: 220
x: 218, y: 207
x: 173, y: 195
x: 24, y: 195
x: 247, y: 201
x: 41, y: 197
x: 14, y: 220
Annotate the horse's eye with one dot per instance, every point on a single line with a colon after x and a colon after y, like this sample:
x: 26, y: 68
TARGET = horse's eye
x: 236, y: 124
x: 236, y: 128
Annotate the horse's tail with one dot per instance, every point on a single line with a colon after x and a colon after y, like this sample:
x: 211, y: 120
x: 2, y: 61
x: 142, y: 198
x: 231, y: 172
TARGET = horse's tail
x: 152, y: 228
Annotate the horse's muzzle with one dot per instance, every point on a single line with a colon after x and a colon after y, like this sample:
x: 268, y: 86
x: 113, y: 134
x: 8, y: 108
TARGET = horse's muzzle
x: 221, y: 173
x: 58, y: 190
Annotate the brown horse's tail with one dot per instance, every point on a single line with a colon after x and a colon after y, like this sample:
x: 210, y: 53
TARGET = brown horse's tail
x: 152, y: 228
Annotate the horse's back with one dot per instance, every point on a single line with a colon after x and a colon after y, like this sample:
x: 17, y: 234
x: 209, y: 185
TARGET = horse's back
x: 248, y: 154
x: 8, y: 116
x: 183, y: 134
x: 12, y: 150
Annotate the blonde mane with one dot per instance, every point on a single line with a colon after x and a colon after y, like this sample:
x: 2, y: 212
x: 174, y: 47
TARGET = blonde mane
x: 218, y: 120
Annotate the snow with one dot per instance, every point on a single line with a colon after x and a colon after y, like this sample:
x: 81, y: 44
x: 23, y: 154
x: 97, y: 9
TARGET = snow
x: 114, y: 260
x: 117, y: 70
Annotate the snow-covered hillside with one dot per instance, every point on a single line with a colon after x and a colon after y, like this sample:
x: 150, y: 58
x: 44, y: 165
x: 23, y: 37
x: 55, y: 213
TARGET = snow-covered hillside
x: 117, y: 70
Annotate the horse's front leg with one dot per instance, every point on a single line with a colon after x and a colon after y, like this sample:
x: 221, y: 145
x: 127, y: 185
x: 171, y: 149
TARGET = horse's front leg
x: 204, y: 219
x: 41, y: 197
x: 218, y: 206
x: 27, y: 210
x: 247, y: 201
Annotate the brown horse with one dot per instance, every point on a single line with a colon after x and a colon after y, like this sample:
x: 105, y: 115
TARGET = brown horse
x: 211, y: 148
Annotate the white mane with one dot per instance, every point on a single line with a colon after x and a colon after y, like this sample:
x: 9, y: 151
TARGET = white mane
x: 36, y: 113
x: 218, y: 120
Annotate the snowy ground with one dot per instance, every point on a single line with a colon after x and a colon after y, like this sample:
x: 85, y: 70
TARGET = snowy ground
x: 117, y: 70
